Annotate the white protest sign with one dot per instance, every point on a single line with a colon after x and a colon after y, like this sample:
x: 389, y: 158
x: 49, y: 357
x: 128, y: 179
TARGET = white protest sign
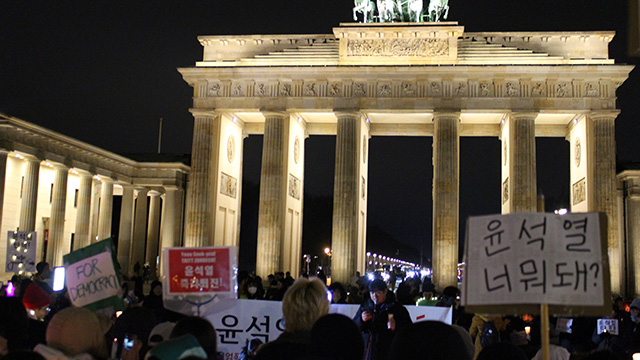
x: 609, y: 326
x: 262, y: 319
x: 91, y: 279
x: 563, y: 325
x: 21, y: 251
x: 534, y: 258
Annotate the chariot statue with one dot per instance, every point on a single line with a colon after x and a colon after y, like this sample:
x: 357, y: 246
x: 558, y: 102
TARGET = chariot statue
x: 366, y: 7
x: 400, y: 10
x: 438, y: 10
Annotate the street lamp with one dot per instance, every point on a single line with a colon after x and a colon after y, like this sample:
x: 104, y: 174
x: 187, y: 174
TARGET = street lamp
x: 327, y: 253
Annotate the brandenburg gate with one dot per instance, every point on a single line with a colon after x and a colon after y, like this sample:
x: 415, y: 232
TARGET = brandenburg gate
x: 395, y: 79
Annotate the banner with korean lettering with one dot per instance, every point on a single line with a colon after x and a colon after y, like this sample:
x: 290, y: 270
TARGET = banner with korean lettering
x: 262, y: 320
x: 536, y: 258
x: 195, y: 279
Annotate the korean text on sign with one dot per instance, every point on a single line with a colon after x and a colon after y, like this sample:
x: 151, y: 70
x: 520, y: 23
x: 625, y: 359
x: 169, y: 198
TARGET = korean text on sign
x: 534, y: 258
x: 199, y: 270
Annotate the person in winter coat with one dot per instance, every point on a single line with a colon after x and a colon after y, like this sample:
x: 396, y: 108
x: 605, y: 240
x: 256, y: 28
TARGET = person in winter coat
x: 379, y: 317
x: 475, y: 330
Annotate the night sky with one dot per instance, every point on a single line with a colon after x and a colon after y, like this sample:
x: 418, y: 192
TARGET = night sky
x: 104, y: 72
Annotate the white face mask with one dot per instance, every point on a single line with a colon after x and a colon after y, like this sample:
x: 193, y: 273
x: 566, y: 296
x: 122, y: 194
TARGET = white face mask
x: 252, y: 290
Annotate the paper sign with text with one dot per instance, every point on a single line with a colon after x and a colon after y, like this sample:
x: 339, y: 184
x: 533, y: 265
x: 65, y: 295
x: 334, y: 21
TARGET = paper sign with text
x: 199, y: 270
x: 21, y: 251
x: 609, y: 326
x: 534, y: 258
x: 91, y: 277
x: 262, y: 319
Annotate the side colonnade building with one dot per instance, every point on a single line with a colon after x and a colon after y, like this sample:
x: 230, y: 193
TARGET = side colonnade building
x: 396, y: 79
x: 64, y: 190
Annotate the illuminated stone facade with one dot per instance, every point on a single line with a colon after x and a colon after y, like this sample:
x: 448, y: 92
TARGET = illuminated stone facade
x: 63, y: 189
x: 397, y: 79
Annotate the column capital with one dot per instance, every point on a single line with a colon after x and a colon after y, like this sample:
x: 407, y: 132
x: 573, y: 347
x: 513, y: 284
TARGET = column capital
x: 56, y: 165
x: 171, y: 188
x: 604, y: 114
x: 141, y: 190
x: 446, y: 114
x: 80, y: 172
x: 204, y: 113
x: 274, y: 114
x: 350, y: 113
x: 29, y: 157
x: 105, y: 179
x: 523, y: 115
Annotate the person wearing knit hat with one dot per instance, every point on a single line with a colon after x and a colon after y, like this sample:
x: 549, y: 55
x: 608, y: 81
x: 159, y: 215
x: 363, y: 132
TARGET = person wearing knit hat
x: 36, y: 301
x: 74, y: 331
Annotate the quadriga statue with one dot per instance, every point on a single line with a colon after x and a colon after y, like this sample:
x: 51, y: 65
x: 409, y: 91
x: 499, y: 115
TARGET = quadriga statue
x: 400, y: 10
x: 366, y: 7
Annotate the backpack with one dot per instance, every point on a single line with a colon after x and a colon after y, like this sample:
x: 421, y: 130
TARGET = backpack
x: 489, y: 334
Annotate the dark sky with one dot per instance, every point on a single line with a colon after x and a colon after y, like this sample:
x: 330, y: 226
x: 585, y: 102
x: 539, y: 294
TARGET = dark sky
x: 105, y: 71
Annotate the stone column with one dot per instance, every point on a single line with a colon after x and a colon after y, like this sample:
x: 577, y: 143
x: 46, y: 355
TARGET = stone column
x: 171, y: 221
x: 272, y: 191
x: 446, y: 183
x: 55, y: 247
x: 3, y: 174
x: 95, y: 209
x: 603, y: 187
x: 349, y: 197
x: 200, y: 194
x: 83, y: 212
x: 520, y: 144
x: 153, y: 231
x: 139, y: 229
x: 29, y: 194
x: 632, y: 209
x: 126, y: 228
x: 106, y: 209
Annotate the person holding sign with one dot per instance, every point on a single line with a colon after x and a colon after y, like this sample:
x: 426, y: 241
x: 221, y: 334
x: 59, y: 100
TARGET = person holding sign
x: 379, y: 317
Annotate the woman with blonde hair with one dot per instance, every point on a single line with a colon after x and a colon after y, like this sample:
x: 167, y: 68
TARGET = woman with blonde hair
x: 303, y: 303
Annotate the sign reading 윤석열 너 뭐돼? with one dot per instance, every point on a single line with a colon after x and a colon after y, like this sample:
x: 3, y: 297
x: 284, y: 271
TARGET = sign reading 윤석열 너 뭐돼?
x: 534, y: 258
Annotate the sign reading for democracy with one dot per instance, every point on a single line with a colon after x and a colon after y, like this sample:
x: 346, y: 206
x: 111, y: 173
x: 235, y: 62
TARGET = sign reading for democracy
x: 91, y: 277
x: 534, y: 258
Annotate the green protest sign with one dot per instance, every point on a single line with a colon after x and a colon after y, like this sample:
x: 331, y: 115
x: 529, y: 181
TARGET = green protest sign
x: 92, y: 277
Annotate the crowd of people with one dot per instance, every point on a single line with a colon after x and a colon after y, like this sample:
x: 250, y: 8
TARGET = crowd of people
x: 38, y: 323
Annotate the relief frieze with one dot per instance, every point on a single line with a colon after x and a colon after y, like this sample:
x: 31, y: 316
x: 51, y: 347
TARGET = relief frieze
x: 335, y: 89
x: 399, y: 47
x: 408, y: 89
x: 294, y: 187
x: 228, y: 185
x: 359, y: 89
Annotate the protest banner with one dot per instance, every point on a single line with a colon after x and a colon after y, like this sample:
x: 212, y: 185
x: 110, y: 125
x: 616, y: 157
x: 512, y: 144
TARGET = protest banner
x: 21, y: 251
x: 515, y: 263
x: 196, y: 279
x: 262, y: 319
x: 91, y: 276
